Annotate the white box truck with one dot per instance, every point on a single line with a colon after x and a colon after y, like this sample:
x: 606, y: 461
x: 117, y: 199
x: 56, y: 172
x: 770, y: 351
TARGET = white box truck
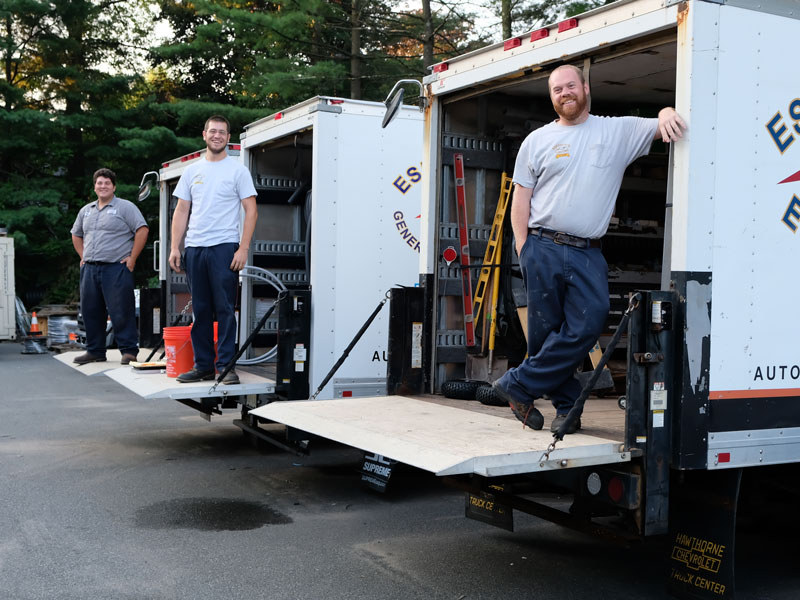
x: 338, y: 225
x: 8, y: 321
x: 704, y: 231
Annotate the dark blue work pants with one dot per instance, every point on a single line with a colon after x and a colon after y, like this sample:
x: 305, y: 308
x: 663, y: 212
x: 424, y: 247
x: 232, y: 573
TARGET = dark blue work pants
x: 213, y: 287
x: 107, y: 291
x: 567, y: 291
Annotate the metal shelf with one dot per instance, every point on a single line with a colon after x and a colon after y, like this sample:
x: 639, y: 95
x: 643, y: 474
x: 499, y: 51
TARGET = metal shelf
x: 270, y: 248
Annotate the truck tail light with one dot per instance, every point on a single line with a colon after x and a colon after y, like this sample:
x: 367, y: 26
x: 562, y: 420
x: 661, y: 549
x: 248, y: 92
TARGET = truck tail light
x: 615, y: 489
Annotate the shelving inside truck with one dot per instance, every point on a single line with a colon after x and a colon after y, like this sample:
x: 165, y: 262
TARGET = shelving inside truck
x: 487, y: 124
x: 282, y: 171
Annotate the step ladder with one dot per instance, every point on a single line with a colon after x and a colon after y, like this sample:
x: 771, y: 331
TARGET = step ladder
x: 493, y: 247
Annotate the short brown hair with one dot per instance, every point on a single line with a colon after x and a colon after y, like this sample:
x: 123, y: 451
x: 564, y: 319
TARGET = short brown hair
x: 105, y: 173
x: 578, y: 71
x: 220, y: 119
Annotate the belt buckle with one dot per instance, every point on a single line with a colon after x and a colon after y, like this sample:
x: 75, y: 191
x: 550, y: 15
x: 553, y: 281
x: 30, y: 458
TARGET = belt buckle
x: 559, y: 237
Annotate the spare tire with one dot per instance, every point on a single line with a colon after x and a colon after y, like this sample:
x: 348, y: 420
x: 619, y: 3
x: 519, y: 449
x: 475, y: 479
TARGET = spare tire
x: 461, y: 389
x: 485, y: 395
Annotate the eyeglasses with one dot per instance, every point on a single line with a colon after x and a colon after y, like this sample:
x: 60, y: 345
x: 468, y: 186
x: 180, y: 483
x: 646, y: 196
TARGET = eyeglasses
x: 216, y: 131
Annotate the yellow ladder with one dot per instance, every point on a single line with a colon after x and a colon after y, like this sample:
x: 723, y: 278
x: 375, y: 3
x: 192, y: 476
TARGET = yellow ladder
x: 492, y: 256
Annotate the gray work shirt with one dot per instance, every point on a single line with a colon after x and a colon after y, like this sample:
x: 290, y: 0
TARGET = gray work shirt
x: 108, y: 232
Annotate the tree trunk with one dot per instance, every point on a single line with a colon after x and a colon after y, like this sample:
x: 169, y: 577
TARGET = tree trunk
x: 355, y: 50
x: 427, y: 43
x: 505, y: 18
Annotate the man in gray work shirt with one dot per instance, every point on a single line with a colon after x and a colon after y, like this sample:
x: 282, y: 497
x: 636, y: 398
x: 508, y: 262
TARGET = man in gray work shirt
x: 567, y: 176
x: 109, y: 235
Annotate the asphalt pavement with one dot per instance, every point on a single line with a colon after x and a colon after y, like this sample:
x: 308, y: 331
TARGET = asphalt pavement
x: 104, y: 495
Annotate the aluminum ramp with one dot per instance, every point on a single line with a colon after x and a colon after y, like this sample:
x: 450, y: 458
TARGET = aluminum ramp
x: 444, y: 440
x: 155, y: 385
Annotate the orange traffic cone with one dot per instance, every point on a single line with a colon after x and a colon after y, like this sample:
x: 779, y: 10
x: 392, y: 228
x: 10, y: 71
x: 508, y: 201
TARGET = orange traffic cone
x: 34, y: 325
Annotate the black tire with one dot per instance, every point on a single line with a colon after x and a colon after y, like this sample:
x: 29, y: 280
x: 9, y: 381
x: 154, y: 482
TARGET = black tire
x: 485, y: 395
x: 461, y: 389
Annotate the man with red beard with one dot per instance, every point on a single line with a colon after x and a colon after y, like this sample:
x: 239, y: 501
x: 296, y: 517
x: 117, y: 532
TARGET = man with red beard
x: 567, y: 176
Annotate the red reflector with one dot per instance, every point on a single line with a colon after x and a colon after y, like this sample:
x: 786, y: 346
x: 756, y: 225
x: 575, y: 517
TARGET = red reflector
x: 539, y: 34
x: 512, y: 43
x: 279, y: 116
x: 724, y: 457
x: 450, y: 254
x: 336, y: 101
x: 235, y: 146
x: 440, y: 67
x: 615, y: 489
x: 567, y: 25
x: 347, y: 394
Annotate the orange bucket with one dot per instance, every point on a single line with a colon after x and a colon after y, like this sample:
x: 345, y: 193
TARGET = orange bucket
x: 178, y: 349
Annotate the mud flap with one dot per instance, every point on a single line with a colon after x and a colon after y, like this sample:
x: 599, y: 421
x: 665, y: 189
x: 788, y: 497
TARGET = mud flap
x: 702, y: 530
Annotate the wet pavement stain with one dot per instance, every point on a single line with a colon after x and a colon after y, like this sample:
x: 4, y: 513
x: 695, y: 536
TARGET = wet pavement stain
x: 208, y: 514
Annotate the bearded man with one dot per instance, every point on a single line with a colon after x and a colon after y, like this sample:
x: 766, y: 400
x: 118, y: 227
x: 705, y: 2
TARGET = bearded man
x: 567, y: 176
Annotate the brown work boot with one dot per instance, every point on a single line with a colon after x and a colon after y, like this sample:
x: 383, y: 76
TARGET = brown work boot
x: 86, y: 358
x: 127, y: 358
x: 524, y: 411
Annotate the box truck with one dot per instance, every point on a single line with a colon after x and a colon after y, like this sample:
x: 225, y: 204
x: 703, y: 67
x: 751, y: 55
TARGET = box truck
x: 700, y: 248
x: 338, y: 225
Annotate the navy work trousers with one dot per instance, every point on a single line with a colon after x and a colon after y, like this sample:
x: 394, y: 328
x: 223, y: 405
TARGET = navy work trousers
x: 567, y: 291
x: 107, y: 291
x: 213, y: 287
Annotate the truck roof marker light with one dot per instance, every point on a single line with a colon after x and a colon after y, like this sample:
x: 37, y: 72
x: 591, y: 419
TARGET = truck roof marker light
x: 184, y: 158
x: 164, y: 165
x: 540, y: 34
x: 440, y: 68
x: 337, y: 101
x: 235, y: 146
x: 567, y: 25
x: 512, y: 43
x: 724, y: 457
x: 278, y: 116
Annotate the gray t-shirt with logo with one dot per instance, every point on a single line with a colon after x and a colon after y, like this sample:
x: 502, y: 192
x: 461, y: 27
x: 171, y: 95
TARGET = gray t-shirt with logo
x: 576, y: 171
x: 108, y: 232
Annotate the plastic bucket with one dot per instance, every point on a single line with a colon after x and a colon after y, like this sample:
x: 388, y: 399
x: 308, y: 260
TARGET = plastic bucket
x: 178, y: 350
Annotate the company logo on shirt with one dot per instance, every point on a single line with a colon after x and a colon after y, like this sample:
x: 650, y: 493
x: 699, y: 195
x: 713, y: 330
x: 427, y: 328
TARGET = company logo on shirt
x: 561, y: 150
x: 198, y: 179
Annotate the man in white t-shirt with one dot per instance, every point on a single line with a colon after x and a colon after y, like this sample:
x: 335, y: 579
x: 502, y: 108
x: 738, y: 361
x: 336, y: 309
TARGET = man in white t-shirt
x: 567, y: 176
x: 210, y: 194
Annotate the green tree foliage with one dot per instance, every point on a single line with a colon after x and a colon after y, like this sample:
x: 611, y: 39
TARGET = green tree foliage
x: 81, y: 88
x: 63, y: 97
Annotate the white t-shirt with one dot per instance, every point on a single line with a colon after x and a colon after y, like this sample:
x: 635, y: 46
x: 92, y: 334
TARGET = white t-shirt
x: 576, y: 171
x: 215, y: 190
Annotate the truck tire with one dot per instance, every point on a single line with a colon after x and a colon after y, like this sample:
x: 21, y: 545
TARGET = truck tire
x: 461, y: 389
x: 485, y: 395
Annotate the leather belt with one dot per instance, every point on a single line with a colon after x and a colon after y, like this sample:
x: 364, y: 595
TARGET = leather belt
x: 559, y: 237
x: 97, y: 262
